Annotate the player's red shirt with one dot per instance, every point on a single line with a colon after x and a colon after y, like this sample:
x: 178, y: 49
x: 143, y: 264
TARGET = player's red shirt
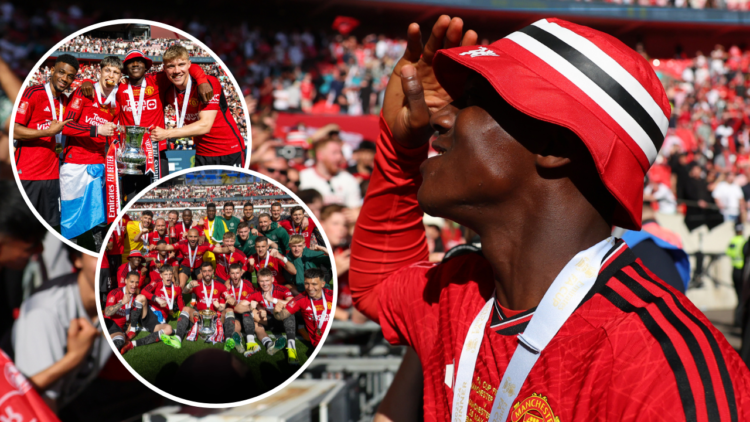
x: 124, y: 270
x: 154, y: 237
x: 153, y: 107
x: 36, y: 158
x: 279, y: 292
x: 273, y: 263
x: 118, y: 237
x: 181, y: 229
x: 635, y: 349
x: 224, y: 260
x: 304, y: 304
x: 80, y: 146
x: 239, y: 293
x: 157, y: 289
x: 20, y: 401
x: 224, y: 137
x: 183, y: 247
x: 122, y: 316
x: 153, y: 270
x: 290, y: 228
x: 206, y: 295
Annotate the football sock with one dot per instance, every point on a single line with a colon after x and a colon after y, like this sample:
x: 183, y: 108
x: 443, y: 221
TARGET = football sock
x: 229, y: 324
x: 290, y: 327
x: 248, y: 324
x: 267, y: 342
x: 151, y: 338
x: 135, y: 313
x: 183, y: 325
x: 250, y: 338
x: 291, y: 345
x: 119, y: 342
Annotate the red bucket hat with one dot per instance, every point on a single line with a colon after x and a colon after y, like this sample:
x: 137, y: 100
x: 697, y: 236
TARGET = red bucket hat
x: 137, y: 54
x: 582, y: 79
x: 135, y: 253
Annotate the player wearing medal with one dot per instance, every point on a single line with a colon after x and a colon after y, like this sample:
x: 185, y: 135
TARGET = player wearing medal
x: 225, y: 260
x: 160, y: 233
x: 314, y: 305
x: 137, y: 234
x: 118, y: 309
x: 212, y: 295
x: 273, y: 232
x: 228, y: 222
x: 165, y: 299
x: 271, y: 259
x: 82, y: 171
x: 554, y: 319
x: 296, y: 225
x: 135, y: 259
x: 262, y: 302
x: 192, y: 256
x: 157, y: 259
x: 38, y: 138
x: 240, y: 290
x: 181, y: 228
x: 212, y: 126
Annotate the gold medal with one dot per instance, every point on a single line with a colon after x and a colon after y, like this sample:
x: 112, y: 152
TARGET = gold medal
x: 318, y: 332
x: 58, y: 149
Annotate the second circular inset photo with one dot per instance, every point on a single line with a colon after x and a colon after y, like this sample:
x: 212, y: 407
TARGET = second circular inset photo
x: 216, y: 286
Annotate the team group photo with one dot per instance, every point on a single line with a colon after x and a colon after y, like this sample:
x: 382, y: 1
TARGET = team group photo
x: 113, y: 110
x: 217, y: 269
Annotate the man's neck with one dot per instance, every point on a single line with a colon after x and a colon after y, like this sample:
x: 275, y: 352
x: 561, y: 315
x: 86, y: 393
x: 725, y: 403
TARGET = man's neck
x: 88, y: 295
x: 210, y: 218
x: 323, y: 171
x: 186, y: 224
x: 208, y: 282
x: 263, y: 256
x: 53, y: 88
x: 105, y: 90
x: 136, y: 82
x: 320, y: 295
x: 531, y: 244
x: 182, y: 86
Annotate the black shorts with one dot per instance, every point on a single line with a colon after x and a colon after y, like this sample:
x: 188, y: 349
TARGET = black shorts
x: 151, y: 320
x: 234, y: 160
x: 193, y: 274
x: 113, y: 328
x: 44, y: 195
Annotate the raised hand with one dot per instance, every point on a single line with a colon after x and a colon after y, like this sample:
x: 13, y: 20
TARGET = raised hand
x: 413, y: 92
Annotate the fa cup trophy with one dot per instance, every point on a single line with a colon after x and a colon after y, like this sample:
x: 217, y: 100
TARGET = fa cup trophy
x: 131, y: 155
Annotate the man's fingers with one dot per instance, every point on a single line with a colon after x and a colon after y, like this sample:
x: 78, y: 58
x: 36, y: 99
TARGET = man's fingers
x: 453, y: 34
x: 67, y: 121
x: 413, y: 43
x: 437, y: 36
x: 470, y: 38
x: 419, y: 114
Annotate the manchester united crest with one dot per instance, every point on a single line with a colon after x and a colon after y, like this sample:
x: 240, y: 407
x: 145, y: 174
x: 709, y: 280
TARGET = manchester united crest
x: 534, y: 408
x: 149, y: 90
x: 193, y: 102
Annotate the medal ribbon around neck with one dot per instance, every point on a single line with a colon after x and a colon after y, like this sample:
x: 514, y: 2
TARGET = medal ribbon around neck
x: 559, y: 302
x: 58, y: 136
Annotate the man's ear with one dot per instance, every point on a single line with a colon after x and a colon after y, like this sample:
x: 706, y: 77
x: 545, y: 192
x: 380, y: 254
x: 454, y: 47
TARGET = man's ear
x: 557, y: 149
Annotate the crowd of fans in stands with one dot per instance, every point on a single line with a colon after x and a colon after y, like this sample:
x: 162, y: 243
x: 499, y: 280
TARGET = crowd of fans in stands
x: 211, y: 192
x: 151, y: 46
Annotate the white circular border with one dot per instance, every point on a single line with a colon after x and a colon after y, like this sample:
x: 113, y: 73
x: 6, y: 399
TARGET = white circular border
x: 309, y: 359
x: 83, y: 31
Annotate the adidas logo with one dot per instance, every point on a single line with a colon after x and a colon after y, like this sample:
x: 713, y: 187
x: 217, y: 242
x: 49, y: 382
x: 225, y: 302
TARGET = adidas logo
x: 46, y: 108
x: 308, y: 309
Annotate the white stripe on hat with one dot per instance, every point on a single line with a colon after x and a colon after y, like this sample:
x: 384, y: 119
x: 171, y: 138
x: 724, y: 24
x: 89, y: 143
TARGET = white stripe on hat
x: 609, y: 65
x: 600, y: 97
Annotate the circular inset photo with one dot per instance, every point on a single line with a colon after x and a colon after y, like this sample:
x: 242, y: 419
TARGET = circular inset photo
x: 216, y: 286
x: 114, y: 108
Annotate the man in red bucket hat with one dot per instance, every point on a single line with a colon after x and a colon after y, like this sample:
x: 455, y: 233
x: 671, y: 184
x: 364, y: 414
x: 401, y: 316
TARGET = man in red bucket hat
x: 543, y: 141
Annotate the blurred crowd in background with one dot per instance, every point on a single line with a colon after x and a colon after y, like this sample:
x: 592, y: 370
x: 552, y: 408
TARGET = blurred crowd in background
x: 150, y: 46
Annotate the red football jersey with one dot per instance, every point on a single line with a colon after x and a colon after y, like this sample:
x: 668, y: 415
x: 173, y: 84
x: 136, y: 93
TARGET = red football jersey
x: 273, y: 263
x: 124, y: 270
x: 303, y: 303
x: 153, y: 107
x: 206, y: 294
x: 172, y: 293
x: 153, y: 270
x: 186, y: 251
x: 224, y: 137
x: 118, y: 237
x: 242, y: 292
x: 36, y: 158
x: 122, y: 316
x: 278, y: 292
x: 80, y: 146
x: 181, y: 230
x: 20, y: 401
x: 635, y: 349
x: 154, y: 237
x: 223, y: 261
x: 290, y: 228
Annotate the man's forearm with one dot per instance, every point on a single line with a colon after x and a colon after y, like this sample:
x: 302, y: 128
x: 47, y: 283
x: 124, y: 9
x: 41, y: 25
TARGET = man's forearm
x: 57, y: 370
x: 201, y: 127
x: 112, y: 309
x: 23, y: 133
x: 281, y: 315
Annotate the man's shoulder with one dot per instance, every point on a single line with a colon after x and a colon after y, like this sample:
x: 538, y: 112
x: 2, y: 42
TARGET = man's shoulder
x: 32, y: 93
